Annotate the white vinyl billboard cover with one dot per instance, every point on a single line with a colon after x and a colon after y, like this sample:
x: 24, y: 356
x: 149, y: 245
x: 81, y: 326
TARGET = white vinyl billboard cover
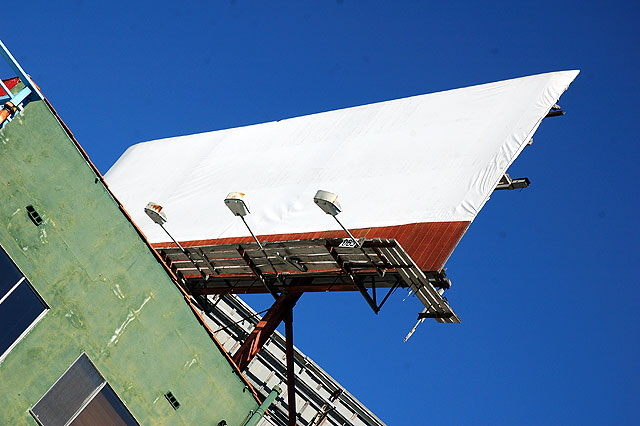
x: 428, y: 158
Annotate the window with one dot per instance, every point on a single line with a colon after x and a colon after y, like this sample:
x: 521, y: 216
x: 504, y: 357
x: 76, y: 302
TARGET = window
x: 20, y: 305
x: 82, y: 397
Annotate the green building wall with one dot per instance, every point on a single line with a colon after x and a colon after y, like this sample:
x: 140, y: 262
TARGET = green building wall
x: 108, y: 294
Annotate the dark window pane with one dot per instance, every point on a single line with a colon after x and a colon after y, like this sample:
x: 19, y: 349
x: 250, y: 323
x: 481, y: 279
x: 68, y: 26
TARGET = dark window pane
x: 67, y: 395
x: 105, y: 409
x: 70, y: 394
x: 17, y: 313
x: 9, y: 274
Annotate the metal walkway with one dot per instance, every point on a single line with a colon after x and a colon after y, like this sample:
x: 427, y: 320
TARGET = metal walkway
x: 310, y: 266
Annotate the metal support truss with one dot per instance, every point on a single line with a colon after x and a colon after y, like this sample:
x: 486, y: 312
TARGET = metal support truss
x: 265, y: 329
x: 312, y: 265
x: 359, y: 282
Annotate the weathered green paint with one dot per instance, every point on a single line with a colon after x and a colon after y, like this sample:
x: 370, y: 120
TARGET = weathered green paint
x: 108, y: 295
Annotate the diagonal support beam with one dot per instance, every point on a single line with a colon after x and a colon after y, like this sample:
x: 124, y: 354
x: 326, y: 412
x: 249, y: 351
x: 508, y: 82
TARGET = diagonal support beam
x: 264, y: 329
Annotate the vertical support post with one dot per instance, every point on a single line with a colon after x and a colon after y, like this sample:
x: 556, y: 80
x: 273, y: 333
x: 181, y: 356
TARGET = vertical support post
x: 291, y: 376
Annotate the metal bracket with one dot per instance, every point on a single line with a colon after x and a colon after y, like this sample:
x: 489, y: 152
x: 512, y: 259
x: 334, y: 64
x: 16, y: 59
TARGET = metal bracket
x: 508, y: 183
x: 292, y: 262
x: 555, y: 111
x: 371, y: 299
x: 423, y: 315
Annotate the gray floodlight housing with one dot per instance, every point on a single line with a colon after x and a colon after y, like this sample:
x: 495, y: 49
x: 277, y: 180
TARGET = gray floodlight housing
x: 237, y: 205
x: 328, y: 202
x: 154, y: 211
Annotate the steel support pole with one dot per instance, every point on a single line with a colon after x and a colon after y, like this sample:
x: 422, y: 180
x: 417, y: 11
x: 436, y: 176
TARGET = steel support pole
x: 291, y: 376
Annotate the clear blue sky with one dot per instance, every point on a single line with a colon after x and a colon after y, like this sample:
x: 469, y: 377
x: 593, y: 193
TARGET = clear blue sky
x: 544, y: 279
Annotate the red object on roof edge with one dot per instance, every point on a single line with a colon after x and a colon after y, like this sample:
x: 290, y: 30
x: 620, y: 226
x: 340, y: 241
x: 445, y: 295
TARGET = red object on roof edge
x: 10, y: 83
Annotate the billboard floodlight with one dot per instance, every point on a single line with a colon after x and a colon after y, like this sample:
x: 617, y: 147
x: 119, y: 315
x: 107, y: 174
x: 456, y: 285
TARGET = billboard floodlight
x: 238, y: 206
x: 155, y: 213
x: 236, y: 203
x: 328, y: 202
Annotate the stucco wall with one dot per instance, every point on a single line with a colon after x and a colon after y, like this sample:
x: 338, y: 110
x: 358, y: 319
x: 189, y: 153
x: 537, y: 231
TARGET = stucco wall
x: 108, y: 295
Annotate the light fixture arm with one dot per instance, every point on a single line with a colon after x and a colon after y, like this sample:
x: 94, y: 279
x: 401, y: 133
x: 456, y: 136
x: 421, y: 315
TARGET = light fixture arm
x: 264, y: 252
x: 357, y: 244
x: 238, y: 206
x: 193, y: 262
x: 253, y: 235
